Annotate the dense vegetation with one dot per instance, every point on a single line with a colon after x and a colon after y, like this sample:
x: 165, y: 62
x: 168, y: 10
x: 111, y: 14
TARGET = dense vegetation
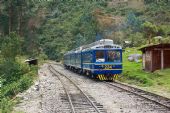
x: 49, y: 28
x: 15, y: 75
x: 54, y: 27
x: 16, y: 33
x: 70, y: 24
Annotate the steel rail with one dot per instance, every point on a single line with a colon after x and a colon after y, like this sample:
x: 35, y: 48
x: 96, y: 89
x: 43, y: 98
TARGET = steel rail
x: 92, y: 104
x: 68, y: 96
x: 122, y: 86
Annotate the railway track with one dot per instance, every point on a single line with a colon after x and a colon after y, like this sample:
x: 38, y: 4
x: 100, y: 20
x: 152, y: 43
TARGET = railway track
x: 162, y: 103
x: 78, y: 100
x: 157, y: 102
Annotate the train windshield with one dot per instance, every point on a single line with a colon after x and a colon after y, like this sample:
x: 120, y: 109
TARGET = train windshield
x: 100, y: 56
x: 113, y: 56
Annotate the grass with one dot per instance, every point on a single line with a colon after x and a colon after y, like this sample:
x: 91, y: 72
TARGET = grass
x: 163, y: 78
x: 133, y: 74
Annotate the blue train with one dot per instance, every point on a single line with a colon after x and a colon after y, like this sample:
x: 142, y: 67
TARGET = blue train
x: 101, y: 59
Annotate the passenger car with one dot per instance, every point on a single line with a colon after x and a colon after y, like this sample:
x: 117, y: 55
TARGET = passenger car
x: 101, y: 59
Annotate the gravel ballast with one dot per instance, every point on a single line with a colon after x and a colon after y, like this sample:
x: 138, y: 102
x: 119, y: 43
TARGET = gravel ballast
x: 45, y: 95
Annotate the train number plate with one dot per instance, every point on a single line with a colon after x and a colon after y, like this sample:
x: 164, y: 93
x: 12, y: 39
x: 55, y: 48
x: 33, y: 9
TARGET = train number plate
x: 107, y: 66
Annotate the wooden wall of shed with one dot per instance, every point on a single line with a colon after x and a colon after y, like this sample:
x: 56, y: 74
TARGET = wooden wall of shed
x: 156, y: 65
x: 148, y: 61
x: 166, y: 58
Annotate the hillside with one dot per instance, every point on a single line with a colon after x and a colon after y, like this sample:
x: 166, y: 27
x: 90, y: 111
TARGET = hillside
x: 49, y: 25
x: 74, y: 24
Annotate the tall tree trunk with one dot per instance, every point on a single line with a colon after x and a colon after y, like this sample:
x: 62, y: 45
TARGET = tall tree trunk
x: 20, y: 21
x: 10, y: 16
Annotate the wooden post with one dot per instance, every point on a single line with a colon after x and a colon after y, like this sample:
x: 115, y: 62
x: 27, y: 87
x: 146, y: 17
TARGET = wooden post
x: 144, y: 60
x: 151, y: 60
x: 162, y: 59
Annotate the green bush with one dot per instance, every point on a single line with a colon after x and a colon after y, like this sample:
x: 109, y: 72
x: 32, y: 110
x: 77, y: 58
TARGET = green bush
x: 10, y: 90
x: 10, y: 71
x: 15, y: 77
x: 43, y: 56
x: 25, y: 82
x: 14, y: 88
x: 11, y: 46
x: 6, y: 105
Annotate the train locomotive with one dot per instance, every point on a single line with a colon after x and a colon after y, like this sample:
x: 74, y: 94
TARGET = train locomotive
x: 101, y: 59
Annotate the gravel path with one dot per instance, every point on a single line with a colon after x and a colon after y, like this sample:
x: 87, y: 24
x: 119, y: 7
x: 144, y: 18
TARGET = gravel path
x: 45, y: 95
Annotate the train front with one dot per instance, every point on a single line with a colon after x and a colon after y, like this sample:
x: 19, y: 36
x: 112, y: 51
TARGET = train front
x: 108, y: 63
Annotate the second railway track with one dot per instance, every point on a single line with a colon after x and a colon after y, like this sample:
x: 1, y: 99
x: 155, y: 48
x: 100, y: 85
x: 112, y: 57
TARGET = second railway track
x: 162, y: 103
x: 79, y: 101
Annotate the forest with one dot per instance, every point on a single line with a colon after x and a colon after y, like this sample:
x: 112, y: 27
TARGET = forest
x: 46, y: 26
x: 46, y: 29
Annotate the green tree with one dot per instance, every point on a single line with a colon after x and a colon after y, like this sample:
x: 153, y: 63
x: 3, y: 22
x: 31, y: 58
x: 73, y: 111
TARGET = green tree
x: 68, y: 25
x: 150, y: 30
x: 133, y: 22
x: 11, y: 47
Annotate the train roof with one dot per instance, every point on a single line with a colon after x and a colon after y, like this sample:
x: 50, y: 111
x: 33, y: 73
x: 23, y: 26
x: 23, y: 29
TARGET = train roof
x: 101, y: 44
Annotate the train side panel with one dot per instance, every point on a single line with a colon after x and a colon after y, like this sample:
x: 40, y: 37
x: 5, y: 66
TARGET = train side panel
x: 87, y: 61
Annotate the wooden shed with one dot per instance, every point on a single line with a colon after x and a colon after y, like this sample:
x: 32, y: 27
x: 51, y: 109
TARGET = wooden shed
x: 156, y: 57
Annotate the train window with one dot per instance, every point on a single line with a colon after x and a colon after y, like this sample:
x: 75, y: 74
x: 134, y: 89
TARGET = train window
x: 113, y: 56
x: 87, y: 58
x: 100, y: 56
